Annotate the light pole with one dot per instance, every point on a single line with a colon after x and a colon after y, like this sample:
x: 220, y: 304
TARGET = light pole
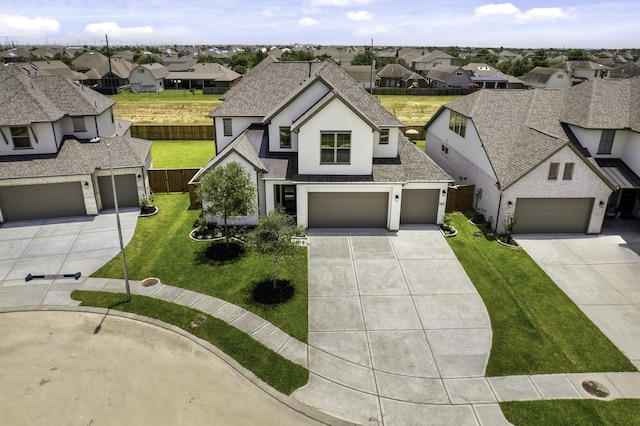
x: 115, y: 203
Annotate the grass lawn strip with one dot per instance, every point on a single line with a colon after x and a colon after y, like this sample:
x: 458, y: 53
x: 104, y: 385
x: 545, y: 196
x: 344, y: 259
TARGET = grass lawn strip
x: 585, y: 412
x: 275, y: 370
x: 170, y: 154
x: 161, y: 248
x: 537, y: 329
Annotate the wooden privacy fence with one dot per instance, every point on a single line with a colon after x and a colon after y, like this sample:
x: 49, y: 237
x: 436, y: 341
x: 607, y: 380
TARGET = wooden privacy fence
x: 173, y: 131
x: 460, y: 198
x: 170, y: 180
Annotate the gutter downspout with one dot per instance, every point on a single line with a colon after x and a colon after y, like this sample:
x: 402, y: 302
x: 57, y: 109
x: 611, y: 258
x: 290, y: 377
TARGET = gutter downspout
x: 498, y: 215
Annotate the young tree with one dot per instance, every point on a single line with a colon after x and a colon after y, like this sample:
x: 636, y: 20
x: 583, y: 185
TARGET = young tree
x: 273, y: 237
x: 227, y: 191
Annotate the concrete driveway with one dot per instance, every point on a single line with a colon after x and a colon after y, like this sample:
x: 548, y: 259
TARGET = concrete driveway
x: 62, y: 245
x: 396, y: 330
x: 601, y: 274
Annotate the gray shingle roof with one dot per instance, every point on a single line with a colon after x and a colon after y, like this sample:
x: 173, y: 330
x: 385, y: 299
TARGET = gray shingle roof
x: 540, y: 74
x: 158, y: 71
x: 260, y: 93
x: 442, y: 72
x: 37, y: 97
x: 77, y: 158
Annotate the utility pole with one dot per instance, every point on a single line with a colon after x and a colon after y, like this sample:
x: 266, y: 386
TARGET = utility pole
x: 110, y: 79
x: 373, y: 67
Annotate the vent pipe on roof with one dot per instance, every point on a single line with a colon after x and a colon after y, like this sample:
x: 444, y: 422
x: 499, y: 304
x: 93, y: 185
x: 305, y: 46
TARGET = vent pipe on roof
x: 309, y: 69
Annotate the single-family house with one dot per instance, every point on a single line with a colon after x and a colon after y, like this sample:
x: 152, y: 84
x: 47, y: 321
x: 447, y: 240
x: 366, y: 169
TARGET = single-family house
x: 54, y: 155
x: 362, y: 74
x: 148, y: 78
x: 449, y: 76
x: 203, y: 76
x: 583, y: 70
x: 322, y: 148
x: 395, y: 75
x: 425, y: 61
x: 59, y: 68
x: 547, y: 78
x: 102, y: 73
x: 551, y: 159
x: 485, y: 76
x: 628, y: 70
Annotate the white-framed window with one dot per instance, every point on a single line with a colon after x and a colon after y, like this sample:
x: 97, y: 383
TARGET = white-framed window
x: 559, y: 75
x: 140, y: 70
x: 227, y: 127
x: 285, y: 137
x: 457, y: 123
x: 606, y: 141
x: 78, y: 124
x: 384, y: 136
x: 568, y: 171
x: 335, y: 148
x: 20, y: 137
x: 553, y: 171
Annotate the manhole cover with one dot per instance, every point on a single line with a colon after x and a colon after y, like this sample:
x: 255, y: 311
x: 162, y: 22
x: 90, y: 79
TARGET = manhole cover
x: 196, y: 322
x: 596, y: 389
x: 148, y: 282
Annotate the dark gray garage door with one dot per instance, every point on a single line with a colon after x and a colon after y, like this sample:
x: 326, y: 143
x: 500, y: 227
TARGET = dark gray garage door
x: 348, y: 210
x: 125, y: 187
x: 42, y: 201
x: 536, y: 215
x: 419, y: 205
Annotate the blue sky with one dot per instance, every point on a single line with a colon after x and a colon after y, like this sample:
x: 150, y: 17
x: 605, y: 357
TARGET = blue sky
x: 531, y: 23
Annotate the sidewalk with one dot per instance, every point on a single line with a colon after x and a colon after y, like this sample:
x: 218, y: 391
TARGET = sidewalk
x: 447, y: 399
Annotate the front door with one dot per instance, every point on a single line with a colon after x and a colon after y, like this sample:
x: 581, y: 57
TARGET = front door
x: 286, y: 198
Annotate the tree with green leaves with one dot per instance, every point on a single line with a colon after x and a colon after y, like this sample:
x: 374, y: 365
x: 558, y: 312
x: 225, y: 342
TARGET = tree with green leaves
x: 208, y: 59
x: 540, y: 58
x: 227, y: 191
x: 365, y: 57
x: 578, y: 55
x: 273, y: 237
x: 297, y: 55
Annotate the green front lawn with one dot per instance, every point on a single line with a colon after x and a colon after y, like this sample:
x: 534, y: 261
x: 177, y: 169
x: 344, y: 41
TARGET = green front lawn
x: 536, y: 328
x: 585, y: 412
x: 280, y: 373
x: 161, y: 248
x: 168, y: 154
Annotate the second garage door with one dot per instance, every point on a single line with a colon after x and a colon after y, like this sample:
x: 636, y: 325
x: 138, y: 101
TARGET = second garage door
x: 28, y: 202
x: 553, y: 215
x: 419, y: 206
x: 348, y: 209
x: 125, y: 187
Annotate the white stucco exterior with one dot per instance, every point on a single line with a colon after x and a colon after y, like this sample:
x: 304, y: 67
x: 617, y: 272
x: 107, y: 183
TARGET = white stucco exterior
x: 335, y: 117
x: 559, y: 80
x: 626, y: 145
x: 238, y: 125
x: 142, y: 80
x: 388, y: 150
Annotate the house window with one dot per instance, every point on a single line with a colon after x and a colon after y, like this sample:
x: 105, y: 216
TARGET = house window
x: 568, y: 171
x: 140, y: 70
x: 444, y: 149
x: 226, y: 127
x: 559, y: 75
x: 20, y: 136
x: 457, y: 123
x: 78, y: 124
x: 606, y: 141
x: 384, y: 136
x: 335, y: 148
x: 285, y: 137
x: 553, y: 171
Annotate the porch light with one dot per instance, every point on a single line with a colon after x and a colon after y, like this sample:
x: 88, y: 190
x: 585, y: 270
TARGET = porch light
x: 444, y: 192
x: 509, y: 203
x: 86, y: 185
x: 601, y: 203
x: 397, y: 197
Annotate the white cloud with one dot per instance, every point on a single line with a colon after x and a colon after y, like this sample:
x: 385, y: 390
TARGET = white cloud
x: 369, y: 31
x: 24, y: 26
x: 307, y: 22
x: 508, y: 10
x: 339, y: 3
x: 361, y: 15
x: 114, y: 30
x: 268, y: 13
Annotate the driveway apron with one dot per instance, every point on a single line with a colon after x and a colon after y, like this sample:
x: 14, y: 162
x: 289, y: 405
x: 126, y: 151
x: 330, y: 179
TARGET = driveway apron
x: 601, y: 275
x: 393, y: 318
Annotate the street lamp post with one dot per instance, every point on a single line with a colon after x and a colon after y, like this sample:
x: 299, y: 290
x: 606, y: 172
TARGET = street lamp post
x: 115, y: 202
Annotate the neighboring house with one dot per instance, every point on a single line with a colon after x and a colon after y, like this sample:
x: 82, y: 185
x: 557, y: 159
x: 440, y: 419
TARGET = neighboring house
x: 395, y: 75
x: 549, y: 158
x: 425, y: 61
x: 148, y: 78
x: 628, y: 70
x: 203, y: 76
x: 362, y: 74
x: 449, y: 76
x: 322, y: 148
x: 583, y: 70
x: 59, y: 68
x: 547, y: 78
x: 53, y: 149
x: 486, y: 77
x: 103, y: 74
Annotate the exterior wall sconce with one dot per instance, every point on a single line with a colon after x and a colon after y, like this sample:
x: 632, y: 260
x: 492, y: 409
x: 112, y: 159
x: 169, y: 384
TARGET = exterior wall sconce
x: 397, y: 197
x: 444, y: 192
x: 86, y: 185
x: 139, y: 177
x: 601, y: 203
x: 509, y: 203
